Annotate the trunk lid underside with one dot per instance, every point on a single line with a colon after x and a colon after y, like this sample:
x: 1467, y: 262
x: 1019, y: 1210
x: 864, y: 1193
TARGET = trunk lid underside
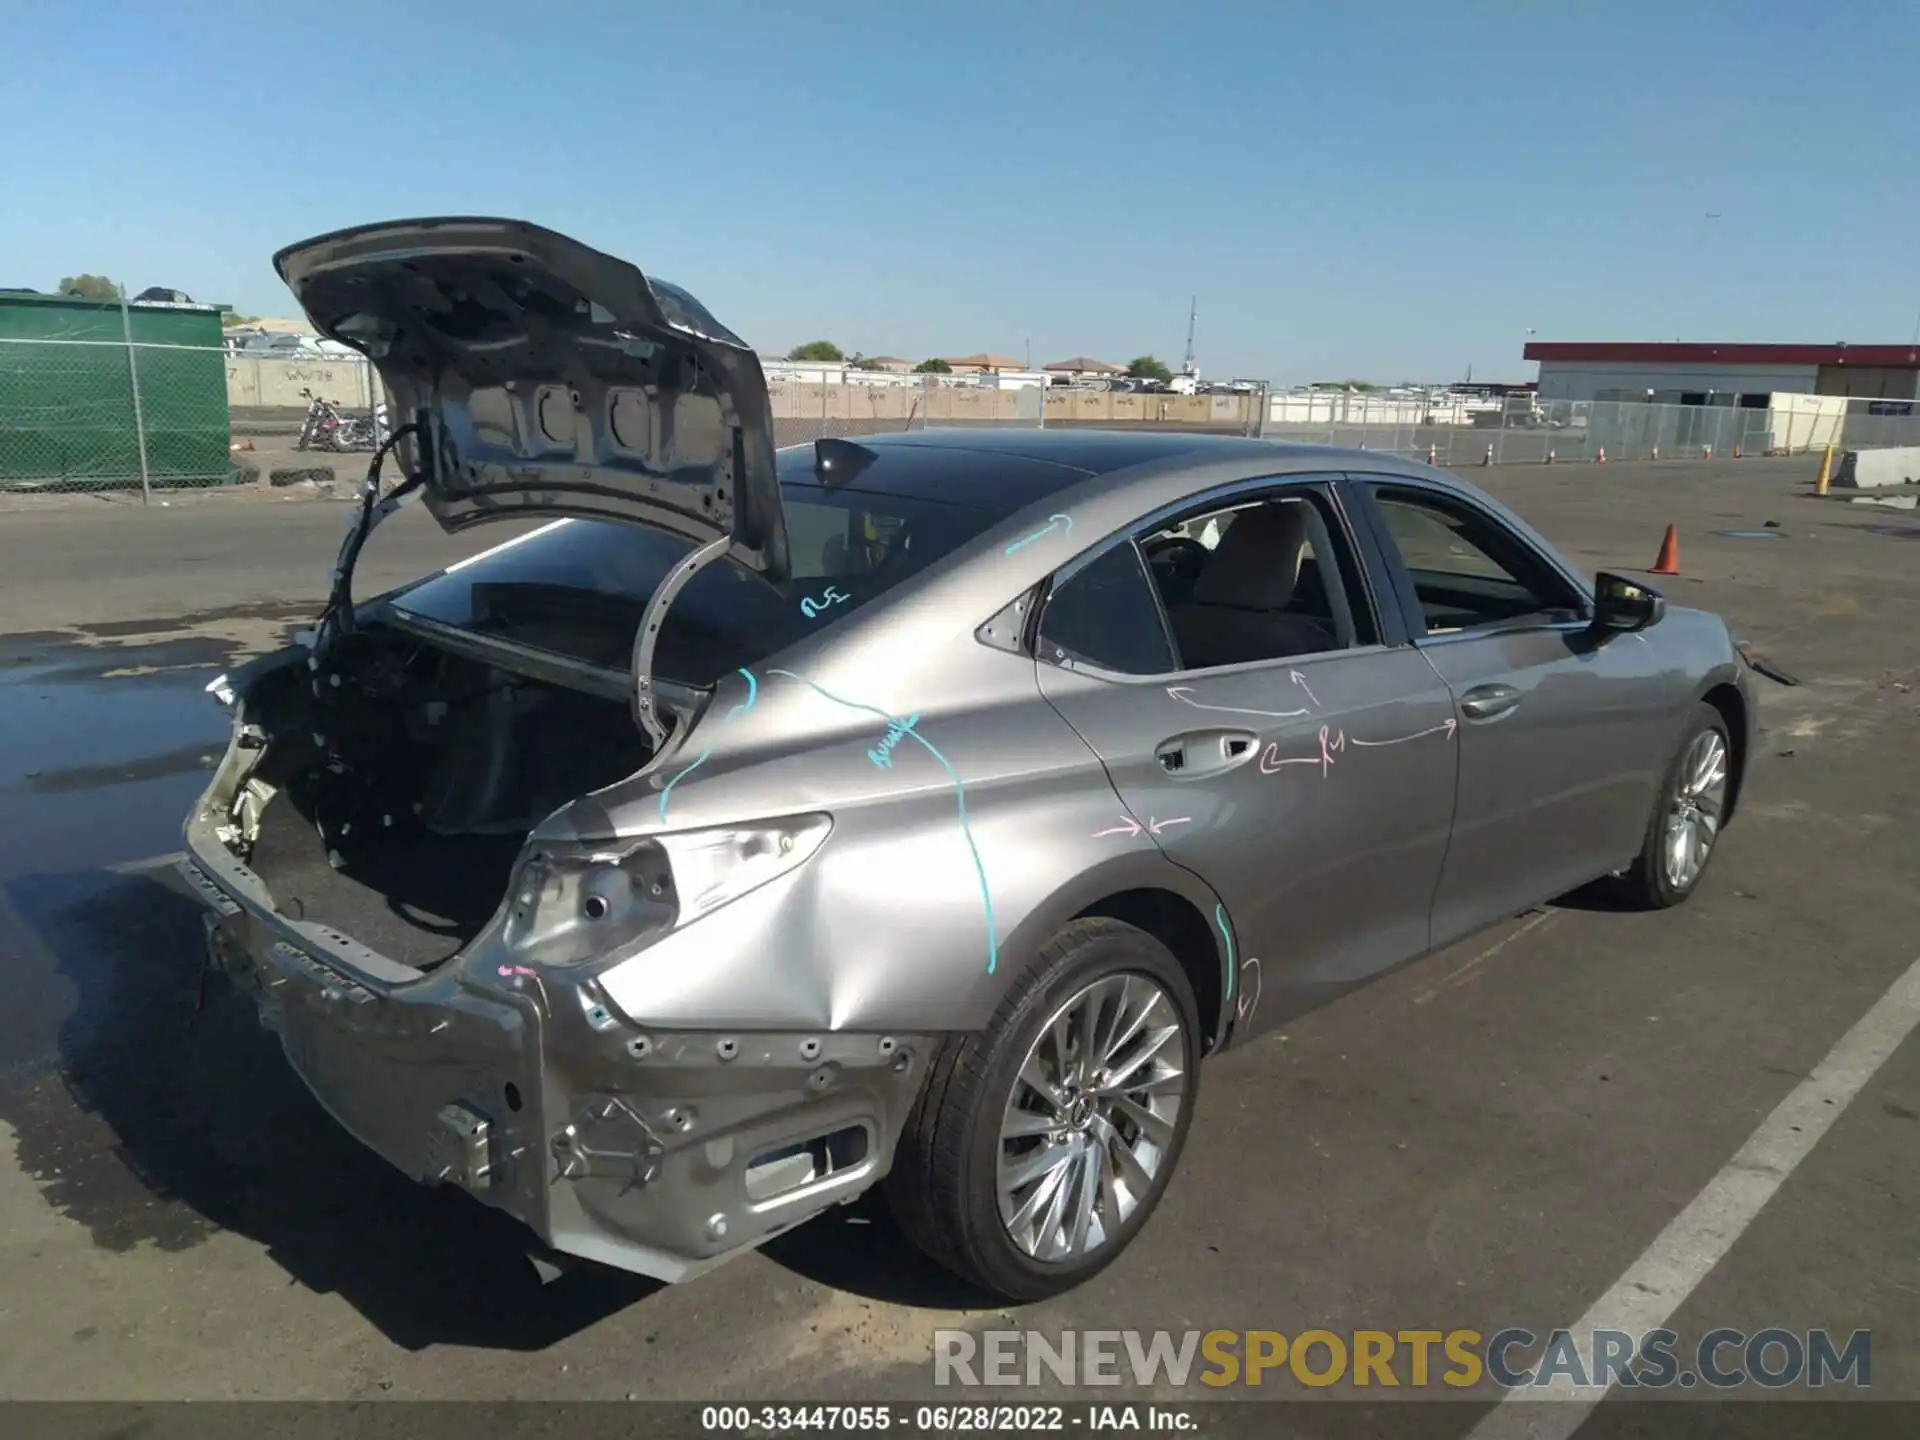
x: 551, y: 378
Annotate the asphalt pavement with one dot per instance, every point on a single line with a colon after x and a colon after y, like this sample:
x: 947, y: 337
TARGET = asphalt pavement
x: 1517, y: 1132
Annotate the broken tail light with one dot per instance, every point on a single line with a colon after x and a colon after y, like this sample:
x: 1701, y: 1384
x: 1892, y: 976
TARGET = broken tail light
x: 573, y: 904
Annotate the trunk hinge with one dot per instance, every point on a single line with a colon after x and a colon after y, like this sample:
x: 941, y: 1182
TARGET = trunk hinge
x: 337, y: 620
x: 646, y: 702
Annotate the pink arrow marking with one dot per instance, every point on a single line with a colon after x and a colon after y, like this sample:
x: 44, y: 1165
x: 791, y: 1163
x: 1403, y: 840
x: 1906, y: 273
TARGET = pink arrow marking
x: 1184, y: 694
x: 1449, y: 728
x: 1301, y: 681
x: 1130, y: 827
x: 1331, y: 744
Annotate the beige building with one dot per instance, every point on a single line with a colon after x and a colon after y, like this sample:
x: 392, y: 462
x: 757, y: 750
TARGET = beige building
x: 982, y: 364
x: 1084, y: 366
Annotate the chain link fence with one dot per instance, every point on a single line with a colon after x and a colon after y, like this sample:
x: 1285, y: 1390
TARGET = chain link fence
x: 102, y: 415
x: 1522, y: 429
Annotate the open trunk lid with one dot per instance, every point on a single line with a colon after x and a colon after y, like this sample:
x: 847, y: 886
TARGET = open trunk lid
x: 549, y: 378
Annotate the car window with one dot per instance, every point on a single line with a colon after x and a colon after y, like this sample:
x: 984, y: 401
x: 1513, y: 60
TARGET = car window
x: 1262, y: 579
x: 1104, y: 614
x: 578, y: 588
x: 1467, y: 570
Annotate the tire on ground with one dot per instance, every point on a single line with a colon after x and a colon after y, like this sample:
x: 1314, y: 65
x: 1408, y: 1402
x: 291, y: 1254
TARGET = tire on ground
x: 943, y: 1185
x: 1645, y: 885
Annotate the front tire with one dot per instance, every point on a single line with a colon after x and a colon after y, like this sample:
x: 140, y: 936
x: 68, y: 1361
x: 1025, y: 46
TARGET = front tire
x: 1684, y: 830
x: 1038, y: 1147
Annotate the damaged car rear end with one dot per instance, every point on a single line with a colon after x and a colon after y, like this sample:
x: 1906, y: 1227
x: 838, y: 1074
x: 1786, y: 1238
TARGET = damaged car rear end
x: 494, y: 852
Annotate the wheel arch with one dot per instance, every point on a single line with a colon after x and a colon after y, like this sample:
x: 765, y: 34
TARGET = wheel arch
x: 1177, y: 923
x: 1146, y: 890
x: 1727, y: 697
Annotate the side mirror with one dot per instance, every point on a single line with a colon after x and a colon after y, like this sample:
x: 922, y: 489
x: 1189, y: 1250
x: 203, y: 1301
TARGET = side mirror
x: 1622, y: 606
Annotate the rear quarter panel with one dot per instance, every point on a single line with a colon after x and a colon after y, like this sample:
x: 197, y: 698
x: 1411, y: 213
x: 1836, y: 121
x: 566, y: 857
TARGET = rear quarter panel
x: 959, y: 845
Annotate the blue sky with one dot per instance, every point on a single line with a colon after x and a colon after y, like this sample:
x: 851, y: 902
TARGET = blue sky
x: 1380, y: 190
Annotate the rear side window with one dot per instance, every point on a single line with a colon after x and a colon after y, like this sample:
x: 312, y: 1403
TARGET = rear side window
x: 579, y: 588
x: 1105, y: 614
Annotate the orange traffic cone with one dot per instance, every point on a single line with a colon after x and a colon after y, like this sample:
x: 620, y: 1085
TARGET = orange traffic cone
x: 1736, y: 449
x: 1433, y: 455
x: 1669, y: 561
x: 1601, y: 458
x: 1549, y: 457
x: 1487, y: 459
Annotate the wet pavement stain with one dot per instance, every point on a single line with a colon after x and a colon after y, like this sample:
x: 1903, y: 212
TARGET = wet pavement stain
x: 278, y: 610
x: 147, y: 767
x: 154, y: 1116
x: 95, y: 773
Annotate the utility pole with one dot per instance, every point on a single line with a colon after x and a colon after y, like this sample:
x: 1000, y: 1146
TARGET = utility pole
x: 1186, y: 365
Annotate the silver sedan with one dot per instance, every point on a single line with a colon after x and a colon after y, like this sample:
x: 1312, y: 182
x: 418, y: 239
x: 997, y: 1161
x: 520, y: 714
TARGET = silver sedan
x: 918, y: 811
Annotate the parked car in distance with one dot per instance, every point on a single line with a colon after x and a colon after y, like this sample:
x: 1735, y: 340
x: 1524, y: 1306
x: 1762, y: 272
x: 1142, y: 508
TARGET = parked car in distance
x: 919, y: 811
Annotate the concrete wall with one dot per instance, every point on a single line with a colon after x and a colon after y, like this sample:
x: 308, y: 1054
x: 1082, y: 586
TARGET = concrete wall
x: 255, y: 383
x: 1877, y: 469
x: 1581, y: 380
x: 262, y: 385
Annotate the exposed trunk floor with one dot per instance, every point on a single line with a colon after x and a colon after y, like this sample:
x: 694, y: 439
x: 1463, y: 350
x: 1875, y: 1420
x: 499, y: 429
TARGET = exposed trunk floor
x: 416, y: 899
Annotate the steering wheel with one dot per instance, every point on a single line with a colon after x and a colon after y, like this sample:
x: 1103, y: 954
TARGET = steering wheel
x: 1177, y: 559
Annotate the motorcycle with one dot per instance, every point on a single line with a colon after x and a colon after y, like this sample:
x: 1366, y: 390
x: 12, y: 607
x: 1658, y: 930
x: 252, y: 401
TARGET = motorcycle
x: 364, y: 432
x: 326, y: 428
x: 319, y: 431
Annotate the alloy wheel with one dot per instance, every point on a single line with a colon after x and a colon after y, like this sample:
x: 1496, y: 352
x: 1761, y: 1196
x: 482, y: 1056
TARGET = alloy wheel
x: 1092, y: 1117
x: 1699, y: 801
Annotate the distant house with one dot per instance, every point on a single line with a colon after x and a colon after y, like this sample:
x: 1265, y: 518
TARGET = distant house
x: 982, y: 364
x: 1085, y: 365
x: 889, y: 364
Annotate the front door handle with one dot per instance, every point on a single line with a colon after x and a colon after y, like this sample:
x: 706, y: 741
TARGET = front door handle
x: 1204, y: 752
x: 1483, y: 702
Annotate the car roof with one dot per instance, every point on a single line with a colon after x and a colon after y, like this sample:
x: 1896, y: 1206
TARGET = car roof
x: 1029, y: 464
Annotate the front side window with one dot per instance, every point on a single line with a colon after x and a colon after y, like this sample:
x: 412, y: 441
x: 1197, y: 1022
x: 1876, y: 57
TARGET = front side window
x: 1467, y: 570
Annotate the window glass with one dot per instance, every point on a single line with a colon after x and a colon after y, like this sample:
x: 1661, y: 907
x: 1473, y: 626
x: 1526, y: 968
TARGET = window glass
x: 1467, y: 570
x: 1262, y: 579
x: 578, y: 589
x: 1104, y: 614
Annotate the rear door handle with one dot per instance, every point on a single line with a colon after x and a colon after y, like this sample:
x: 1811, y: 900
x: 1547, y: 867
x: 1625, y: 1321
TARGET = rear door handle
x: 1204, y: 752
x: 1483, y: 702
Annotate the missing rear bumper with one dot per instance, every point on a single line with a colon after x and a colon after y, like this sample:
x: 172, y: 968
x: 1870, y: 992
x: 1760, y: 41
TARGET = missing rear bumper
x: 663, y: 1153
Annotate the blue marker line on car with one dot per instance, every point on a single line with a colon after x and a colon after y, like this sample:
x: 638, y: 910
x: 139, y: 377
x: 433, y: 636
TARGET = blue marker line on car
x: 882, y: 754
x: 1220, y: 918
x: 1062, y: 523
x: 959, y: 795
x: 753, y: 694
x: 832, y: 595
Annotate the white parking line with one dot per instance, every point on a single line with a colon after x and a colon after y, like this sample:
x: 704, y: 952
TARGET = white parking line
x: 1674, y: 1265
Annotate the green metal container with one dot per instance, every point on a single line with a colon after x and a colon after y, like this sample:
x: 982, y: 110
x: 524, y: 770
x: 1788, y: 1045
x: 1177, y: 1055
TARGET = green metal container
x: 68, y: 419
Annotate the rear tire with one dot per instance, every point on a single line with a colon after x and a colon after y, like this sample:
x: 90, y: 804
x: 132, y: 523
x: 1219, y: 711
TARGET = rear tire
x: 1684, y: 831
x: 1009, y: 1170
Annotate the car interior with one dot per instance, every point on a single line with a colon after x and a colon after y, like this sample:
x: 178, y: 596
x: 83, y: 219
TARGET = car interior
x: 1246, y: 584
